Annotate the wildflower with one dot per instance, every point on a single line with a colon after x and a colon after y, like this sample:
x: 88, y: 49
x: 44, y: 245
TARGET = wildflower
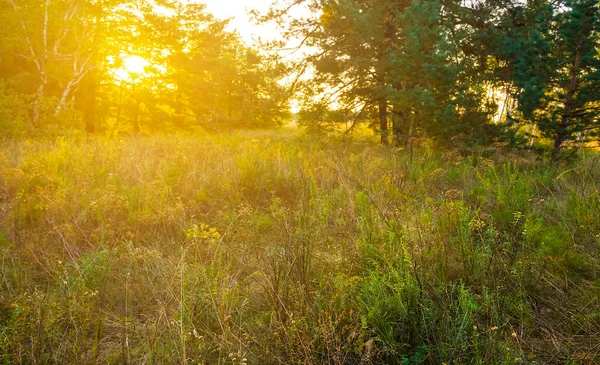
x: 517, y: 217
x: 477, y: 224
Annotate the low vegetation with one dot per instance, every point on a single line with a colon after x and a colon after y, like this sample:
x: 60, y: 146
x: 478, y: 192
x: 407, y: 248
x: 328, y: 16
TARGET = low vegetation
x: 275, y: 248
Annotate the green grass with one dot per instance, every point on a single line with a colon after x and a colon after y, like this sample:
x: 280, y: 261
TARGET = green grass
x: 273, y: 248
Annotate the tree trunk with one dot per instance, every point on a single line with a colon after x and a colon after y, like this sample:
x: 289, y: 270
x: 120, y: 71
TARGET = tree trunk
x: 85, y: 100
x: 382, y: 100
x: 41, y: 65
x: 559, y: 139
x: 400, y: 127
x: 78, y: 74
x: 39, y: 59
x: 38, y: 101
x: 383, y: 120
x: 562, y: 132
x: 136, y: 118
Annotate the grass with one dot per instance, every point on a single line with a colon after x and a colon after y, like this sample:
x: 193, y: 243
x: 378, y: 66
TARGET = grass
x: 276, y: 248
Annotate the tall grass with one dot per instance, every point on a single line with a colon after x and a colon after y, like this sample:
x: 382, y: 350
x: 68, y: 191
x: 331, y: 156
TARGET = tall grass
x: 272, y: 248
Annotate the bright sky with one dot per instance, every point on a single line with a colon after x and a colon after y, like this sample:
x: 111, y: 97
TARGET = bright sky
x: 241, y: 20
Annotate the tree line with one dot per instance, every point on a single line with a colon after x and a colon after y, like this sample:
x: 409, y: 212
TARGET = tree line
x: 61, y: 68
x: 453, y: 71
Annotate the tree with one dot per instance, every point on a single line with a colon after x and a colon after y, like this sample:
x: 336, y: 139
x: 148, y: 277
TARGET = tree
x: 432, y: 88
x: 380, y: 56
x: 64, y: 59
x: 214, y: 79
x: 56, y: 42
x: 557, y: 72
x: 352, y: 66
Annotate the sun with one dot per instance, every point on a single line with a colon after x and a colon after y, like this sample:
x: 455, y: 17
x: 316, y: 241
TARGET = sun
x: 135, y: 64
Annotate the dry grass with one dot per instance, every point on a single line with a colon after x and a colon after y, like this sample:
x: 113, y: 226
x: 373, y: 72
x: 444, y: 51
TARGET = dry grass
x: 273, y: 247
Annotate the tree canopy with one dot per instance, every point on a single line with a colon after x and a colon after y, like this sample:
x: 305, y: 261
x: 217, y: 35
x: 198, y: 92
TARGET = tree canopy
x: 448, y: 70
x: 445, y: 70
x: 65, y: 62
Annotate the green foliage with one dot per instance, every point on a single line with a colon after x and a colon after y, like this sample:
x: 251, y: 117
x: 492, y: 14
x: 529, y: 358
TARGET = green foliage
x: 555, y: 68
x: 13, y: 119
x: 430, y: 89
x: 320, y: 119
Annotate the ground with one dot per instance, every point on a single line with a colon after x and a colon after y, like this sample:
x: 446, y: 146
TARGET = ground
x: 284, y: 248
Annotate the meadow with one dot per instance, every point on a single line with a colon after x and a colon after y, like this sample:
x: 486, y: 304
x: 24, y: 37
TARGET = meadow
x: 283, y: 248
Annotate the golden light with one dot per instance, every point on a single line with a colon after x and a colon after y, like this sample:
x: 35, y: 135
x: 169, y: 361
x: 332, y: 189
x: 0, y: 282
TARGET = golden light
x: 135, y: 64
x: 241, y: 21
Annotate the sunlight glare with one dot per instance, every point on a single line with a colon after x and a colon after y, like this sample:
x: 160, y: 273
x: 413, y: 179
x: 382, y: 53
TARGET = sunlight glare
x: 135, y: 64
x: 242, y: 22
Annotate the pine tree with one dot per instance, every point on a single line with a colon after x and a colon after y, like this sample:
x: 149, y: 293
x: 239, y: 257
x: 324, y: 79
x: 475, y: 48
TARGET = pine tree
x: 379, y: 57
x: 557, y: 72
x: 429, y: 87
